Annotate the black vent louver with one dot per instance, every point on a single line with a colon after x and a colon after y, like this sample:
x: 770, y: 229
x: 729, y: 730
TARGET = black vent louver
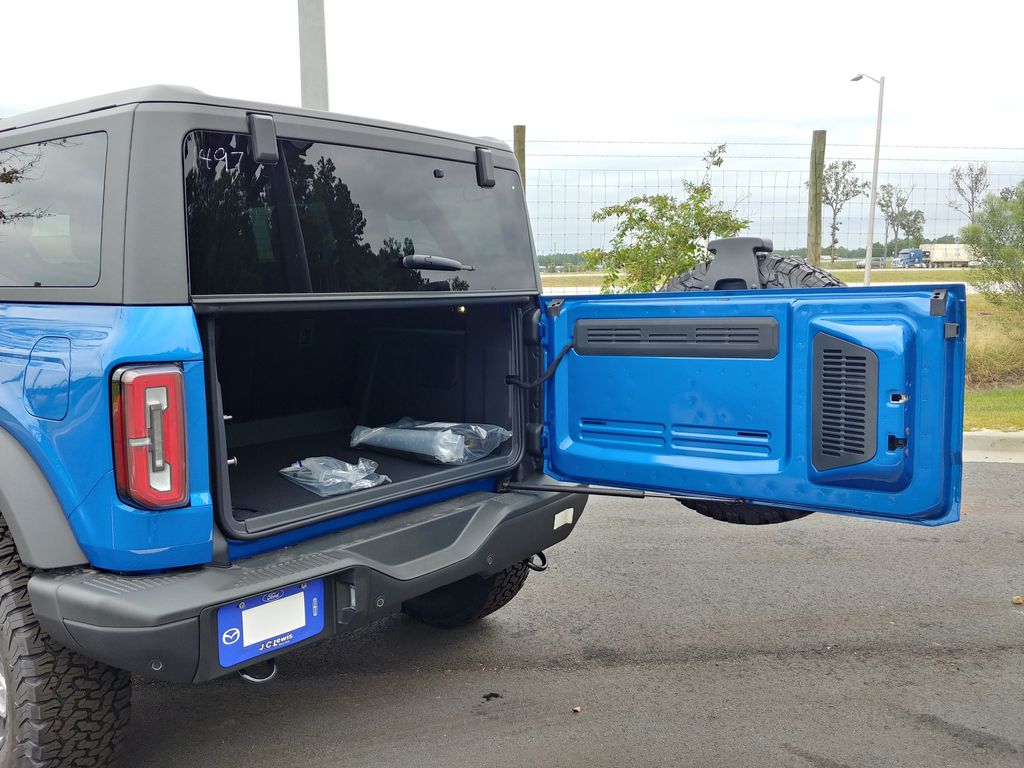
x: 737, y: 337
x: 845, y: 422
x: 613, y: 335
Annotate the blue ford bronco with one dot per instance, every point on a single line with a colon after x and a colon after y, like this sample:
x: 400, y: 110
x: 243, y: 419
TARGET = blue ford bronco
x: 196, y: 293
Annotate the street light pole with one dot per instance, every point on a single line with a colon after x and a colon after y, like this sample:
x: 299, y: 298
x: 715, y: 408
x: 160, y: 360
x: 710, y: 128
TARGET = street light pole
x: 313, y: 54
x: 869, y: 253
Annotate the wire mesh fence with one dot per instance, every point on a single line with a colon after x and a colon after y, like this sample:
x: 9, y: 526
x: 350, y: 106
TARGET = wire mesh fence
x: 568, y: 181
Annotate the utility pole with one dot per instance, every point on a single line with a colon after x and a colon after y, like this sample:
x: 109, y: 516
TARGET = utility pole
x: 519, y: 147
x: 313, y: 54
x: 814, y: 185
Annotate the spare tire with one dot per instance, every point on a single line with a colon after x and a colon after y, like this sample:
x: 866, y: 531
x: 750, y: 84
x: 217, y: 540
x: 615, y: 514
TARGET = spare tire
x: 469, y: 600
x: 775, y: 272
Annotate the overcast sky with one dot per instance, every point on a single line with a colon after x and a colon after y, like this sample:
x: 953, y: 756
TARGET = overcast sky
x: 630, y: 71
x: 633, y: 70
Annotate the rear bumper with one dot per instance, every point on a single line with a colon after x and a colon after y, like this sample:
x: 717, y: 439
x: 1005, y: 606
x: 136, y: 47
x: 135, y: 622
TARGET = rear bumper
x: 165, y: 626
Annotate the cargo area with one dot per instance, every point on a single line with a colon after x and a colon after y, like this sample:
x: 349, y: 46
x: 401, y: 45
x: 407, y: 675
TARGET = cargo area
x: 293, y: 385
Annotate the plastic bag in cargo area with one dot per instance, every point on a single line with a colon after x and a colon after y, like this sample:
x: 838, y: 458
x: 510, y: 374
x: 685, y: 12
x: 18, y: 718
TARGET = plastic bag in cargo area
x: 437, y: 441
x: 327, y: 476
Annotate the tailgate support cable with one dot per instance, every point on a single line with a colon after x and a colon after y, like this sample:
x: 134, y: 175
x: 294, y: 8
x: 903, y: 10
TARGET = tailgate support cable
x: 620, y: 492
x: 515, y: 381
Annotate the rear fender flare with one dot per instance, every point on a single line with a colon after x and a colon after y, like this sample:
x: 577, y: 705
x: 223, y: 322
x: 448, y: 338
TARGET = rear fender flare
x: 36, y: 519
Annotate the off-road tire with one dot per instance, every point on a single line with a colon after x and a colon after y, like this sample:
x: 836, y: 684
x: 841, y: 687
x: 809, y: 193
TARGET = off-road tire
x: 775, y: 272
x: 63, y: 710
x: 468, y: 600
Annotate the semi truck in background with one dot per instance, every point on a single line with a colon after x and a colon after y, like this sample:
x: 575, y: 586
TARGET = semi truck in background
x: 935, y: 255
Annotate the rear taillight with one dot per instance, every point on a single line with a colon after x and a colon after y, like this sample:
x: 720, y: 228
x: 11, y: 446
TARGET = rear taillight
x: 149, y: 436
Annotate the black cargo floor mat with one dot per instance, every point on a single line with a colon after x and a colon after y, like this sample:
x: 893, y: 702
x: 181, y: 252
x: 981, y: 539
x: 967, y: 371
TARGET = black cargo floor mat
x: 257, y: 488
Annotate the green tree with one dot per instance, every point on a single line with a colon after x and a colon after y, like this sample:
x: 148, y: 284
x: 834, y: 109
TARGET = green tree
x: 970, y: 185
x: 892, y: 202
x: 553, y: 260
x: 839, y: 186
x: 658, y: 237
x: 997, y: 237
x: 912, y: 224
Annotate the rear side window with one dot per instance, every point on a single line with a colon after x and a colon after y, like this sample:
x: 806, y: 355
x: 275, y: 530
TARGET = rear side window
x: 51, y: 209
x: 340, y: 219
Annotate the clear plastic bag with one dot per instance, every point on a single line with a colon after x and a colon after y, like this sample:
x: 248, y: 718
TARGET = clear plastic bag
x: 327, y: 476
x: 435, y: 441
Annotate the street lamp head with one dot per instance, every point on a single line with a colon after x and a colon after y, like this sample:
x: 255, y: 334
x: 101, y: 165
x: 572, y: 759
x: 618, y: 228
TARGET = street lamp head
x: 861, y: 76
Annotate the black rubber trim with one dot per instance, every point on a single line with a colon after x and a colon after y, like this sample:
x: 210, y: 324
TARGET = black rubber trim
x: 225, y: 304
x: 728, y: 337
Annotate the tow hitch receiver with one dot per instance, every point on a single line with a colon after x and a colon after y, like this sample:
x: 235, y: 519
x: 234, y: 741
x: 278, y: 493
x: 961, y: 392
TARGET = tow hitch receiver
x: 261, y: 673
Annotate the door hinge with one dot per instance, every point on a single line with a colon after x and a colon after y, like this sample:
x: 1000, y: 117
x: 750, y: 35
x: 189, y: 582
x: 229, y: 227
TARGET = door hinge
x: 952, y: 330
x: 535, y: 439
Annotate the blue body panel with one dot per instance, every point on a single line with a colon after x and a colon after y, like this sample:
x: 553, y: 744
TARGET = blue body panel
x: 741, y: 427
x: 55, y: 368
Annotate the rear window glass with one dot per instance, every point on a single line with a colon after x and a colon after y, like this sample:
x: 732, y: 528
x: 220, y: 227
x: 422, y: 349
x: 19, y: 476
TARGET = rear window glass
x: 51, y: 208
x: 338, y: 219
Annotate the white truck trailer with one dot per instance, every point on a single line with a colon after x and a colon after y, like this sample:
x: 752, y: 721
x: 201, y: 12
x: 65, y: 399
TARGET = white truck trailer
x: 947, y: 254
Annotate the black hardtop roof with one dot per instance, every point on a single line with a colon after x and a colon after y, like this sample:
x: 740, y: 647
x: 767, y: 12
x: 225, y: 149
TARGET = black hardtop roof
x: 185, y: 95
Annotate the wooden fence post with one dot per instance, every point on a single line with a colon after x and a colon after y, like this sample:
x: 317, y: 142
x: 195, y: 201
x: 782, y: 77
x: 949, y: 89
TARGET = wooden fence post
x: 814, y: 197
x: 519, y: 147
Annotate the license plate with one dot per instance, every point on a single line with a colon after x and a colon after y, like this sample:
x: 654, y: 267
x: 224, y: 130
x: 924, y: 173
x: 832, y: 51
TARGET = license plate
x: 269, y: 622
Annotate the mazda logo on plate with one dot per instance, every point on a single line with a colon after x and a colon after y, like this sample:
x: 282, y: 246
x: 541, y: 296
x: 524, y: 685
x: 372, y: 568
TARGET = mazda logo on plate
x: 231, y: 636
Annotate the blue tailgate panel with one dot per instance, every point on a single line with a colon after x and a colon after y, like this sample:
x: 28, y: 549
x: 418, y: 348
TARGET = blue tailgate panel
x: 846, y: 400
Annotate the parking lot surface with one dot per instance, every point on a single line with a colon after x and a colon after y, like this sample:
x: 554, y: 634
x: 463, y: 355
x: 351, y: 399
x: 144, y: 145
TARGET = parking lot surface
x: 826, y: 642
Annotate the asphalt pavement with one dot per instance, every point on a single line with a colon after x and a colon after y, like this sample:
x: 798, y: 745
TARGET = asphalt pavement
x: 825, y: 643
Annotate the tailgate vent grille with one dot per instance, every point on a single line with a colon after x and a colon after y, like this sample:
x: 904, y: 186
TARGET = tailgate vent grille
x: 614, y: 335
x: 746, y: 337
x: 741, y: 334
x: 845, y: 403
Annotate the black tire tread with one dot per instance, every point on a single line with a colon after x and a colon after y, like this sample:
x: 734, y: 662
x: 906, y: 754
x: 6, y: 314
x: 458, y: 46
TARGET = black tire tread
x: 468, y: 600
x: 739, y: 513
x: 67, y: 711
x: 775, y: 272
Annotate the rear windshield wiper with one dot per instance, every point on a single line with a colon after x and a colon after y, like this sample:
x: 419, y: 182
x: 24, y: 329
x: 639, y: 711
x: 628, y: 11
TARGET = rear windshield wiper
x: 422, y: 261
